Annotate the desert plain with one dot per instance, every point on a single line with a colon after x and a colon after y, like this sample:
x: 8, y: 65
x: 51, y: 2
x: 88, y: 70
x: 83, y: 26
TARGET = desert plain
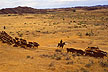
x: 79, y: 29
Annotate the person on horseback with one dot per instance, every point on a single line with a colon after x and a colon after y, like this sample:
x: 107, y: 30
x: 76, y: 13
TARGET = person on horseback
x: 61, y: 44
x: 61, y: 41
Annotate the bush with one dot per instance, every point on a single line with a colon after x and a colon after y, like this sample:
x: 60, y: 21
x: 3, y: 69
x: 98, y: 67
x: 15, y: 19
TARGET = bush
x: 71, y: 62
x: 51, y: 64
x: 79, y: 34
x: 74, y: 10
x: 88, y: 65
x: 9, y: 15
x: 68, y: 71
x: 58, y: 58
x: 105, y: 70
x: 28, y: 56
x: 58, y: 50
x: 84, y: 70
x: 45, y: 55
x: 68, y: 58
x: 89, y: 33
x: 20, y: 34
x: 104, y: 64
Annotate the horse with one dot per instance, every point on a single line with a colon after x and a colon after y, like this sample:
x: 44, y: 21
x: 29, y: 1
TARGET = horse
x: 61, y: 44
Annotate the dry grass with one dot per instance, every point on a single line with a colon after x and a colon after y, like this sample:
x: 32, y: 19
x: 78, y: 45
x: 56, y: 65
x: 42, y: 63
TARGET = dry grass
x: 78, y: 29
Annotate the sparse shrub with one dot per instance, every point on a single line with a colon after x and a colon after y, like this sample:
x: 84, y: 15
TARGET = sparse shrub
x: 71, y: 21
x: 88, y: 65
x: 45, y: 55
x: 68, y: 37
x: 97, y: 24
x: 89, y: 33
x: 51, y: 64
x: 32, y: 57
x: 64, y: 54
x: 84, y: 70
x: 75, y: 26
x: 52, y: 57
x: 85, y: 26
x: 68, y: 71
x: 28, y: 56
x: 46, y: 32
x: 82, y: 22
x: 11, y: 32
x: 74, y: 10
x: 74, y: 21
x: 103, y: 28
x: 79, y: 34
x: 68, y: 58
x: 74, y: 55
x: 70, y: 62
x: 54, y: 23
x: 58, y: 58
x: 9, y: 15
x: 105, y: 70
x: 76, y: 70
x: 14, y: 15
x: 20, y: 34
x: 91, y: 61
x: 55, y: 55
x: 38, y: 31
x: 27, y: 31
x: 106, y: 19
x: 103, y: 64
x: 58, y: 50
x: 25, y: 23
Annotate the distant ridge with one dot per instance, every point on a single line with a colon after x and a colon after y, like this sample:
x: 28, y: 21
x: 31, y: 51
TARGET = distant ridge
x: 21, y: 10
x: 101, y: 6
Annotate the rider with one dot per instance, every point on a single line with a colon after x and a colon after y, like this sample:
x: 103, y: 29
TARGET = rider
x: 61, y: 42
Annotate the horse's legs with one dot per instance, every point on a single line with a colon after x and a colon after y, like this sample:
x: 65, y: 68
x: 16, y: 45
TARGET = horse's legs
x: 62, y: 47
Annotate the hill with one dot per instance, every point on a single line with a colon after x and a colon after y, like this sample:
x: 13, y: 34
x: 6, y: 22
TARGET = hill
x: 21, y: 10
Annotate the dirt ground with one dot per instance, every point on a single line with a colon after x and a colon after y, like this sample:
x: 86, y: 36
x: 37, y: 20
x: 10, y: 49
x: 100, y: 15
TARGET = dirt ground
x: 79, y: 30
